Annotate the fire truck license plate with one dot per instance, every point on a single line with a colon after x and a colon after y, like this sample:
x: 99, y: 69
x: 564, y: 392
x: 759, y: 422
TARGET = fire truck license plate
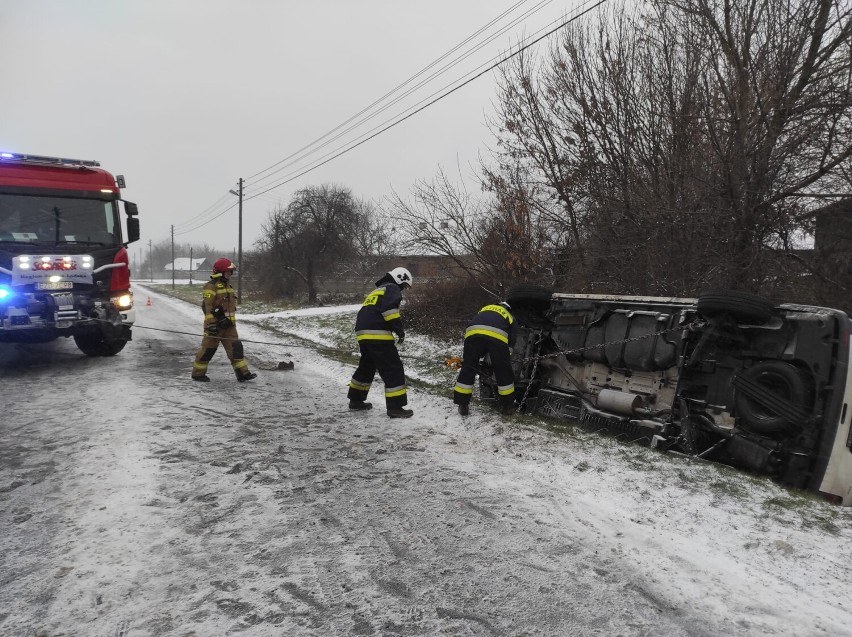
x: 59, y: 285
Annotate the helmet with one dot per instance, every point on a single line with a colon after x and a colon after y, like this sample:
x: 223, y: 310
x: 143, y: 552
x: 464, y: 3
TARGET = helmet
x: 401, y: 276
x: 505, y: 304
x: 222, y: 265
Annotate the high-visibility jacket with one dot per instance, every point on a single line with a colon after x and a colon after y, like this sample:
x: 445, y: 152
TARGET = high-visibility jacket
x: 218, y: 293
x: 494, y: 321
x: 379, y: 318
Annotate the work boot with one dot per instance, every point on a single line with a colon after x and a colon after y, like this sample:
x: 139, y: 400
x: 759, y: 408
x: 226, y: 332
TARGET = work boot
x: 202, y: 379
x: 507, y: 410
x: 400, y: 412
x: 247, y: 376
x: 359, y: 405
x: 464, y: 410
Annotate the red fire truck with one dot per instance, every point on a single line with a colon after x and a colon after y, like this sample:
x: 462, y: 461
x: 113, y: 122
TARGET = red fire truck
x: 64, y: 267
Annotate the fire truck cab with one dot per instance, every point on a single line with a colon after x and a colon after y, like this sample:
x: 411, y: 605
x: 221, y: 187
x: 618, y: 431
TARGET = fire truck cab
x: 64, y: 266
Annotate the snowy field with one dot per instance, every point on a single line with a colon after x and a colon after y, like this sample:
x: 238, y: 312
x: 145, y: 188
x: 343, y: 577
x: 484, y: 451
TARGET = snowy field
x: 171, y: 508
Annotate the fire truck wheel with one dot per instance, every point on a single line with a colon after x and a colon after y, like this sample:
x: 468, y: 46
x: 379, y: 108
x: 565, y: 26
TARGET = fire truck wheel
x: 97, y: 345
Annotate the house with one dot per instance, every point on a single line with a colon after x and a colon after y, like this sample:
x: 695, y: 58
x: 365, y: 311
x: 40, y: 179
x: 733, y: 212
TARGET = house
x: 185, y: 265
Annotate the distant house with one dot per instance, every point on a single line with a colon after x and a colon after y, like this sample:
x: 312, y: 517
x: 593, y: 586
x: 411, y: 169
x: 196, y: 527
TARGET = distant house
x: 424, y: 267
x: 834, y: 228
x: 185, y: 265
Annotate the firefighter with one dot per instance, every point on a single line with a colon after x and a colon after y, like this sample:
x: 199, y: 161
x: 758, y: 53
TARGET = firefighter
x: 377, y: 322
x: 220, y: 305
x: 491, y: 332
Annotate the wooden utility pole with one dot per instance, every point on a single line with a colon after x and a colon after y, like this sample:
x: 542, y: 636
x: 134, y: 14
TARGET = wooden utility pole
x: 239, y: 244
x: 173, y: 257
x: 240, y: 250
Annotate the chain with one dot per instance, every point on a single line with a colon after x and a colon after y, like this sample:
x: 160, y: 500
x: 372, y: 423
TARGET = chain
x: 689, y: 326
x: 535, y: 367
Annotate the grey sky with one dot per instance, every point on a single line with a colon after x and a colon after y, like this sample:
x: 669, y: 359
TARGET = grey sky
x: 184, y: 97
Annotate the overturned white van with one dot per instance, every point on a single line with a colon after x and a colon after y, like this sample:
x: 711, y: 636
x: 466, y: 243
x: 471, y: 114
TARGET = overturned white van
x: 729, y: 377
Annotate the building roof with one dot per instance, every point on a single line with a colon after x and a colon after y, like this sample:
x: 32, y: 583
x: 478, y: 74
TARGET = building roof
x: 185, y: 264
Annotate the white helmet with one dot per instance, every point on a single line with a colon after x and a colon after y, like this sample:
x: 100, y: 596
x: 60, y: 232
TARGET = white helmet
x: 402, y: 276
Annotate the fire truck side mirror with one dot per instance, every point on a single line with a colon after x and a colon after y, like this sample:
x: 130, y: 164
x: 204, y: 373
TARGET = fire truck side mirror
x: 130, y: 209
x: 119, y: 181
x: 132, y: 229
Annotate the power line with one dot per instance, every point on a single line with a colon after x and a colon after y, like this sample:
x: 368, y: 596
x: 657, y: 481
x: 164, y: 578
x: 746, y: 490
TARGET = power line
x: 352, y: 146
x: 391, y: 92
x: 205, y: 217
x: 298, y: 157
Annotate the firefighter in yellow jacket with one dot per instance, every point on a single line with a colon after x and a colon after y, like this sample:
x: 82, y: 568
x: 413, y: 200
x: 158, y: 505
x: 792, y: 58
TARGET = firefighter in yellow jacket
x: 220, y: 307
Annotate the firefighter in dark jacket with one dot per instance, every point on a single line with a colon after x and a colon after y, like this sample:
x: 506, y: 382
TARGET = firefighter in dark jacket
x: 220, y: 324
x: 378, y: 320
x: 491, y: 332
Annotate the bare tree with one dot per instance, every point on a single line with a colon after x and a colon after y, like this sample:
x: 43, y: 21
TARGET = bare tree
x: 494, y: 243
x: 678, y: 140
x: 312, y: 235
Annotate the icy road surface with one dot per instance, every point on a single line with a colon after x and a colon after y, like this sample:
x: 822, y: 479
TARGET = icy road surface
x: 135, y: 502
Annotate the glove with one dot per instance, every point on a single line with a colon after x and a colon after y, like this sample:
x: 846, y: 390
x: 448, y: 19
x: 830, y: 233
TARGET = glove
x: 211, y: 330
x: 221, y: 320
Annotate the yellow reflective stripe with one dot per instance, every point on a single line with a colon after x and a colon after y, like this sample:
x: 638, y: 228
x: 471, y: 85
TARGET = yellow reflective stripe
x: 500, y: 310
x: 373, y: 297
x: 356, y: 385
x: 209, y: 294
x: 391, y: 392
x: 484, y: 332
x: 463, y: 389
x: 199, y: 366
x: 391, y: 317
x: 374, y: 335
x: 505, y: 391
x: 224, y: 291
x: 240, y: 364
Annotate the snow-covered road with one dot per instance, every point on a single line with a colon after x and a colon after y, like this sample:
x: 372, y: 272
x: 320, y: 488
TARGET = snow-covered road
x: 135, y: 502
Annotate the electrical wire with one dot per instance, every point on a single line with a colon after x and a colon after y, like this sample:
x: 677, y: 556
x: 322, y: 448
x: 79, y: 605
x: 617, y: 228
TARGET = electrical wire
x: 395, y: 90
x: 381, y: 129
x: 207, y: 216
x: 375, y: 102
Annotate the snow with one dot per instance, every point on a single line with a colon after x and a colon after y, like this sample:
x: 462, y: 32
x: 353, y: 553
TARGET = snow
x: 166, y: 507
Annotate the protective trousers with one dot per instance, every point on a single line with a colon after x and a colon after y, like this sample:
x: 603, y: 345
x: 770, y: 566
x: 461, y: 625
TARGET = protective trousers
x: 381, y: 356
x: 475, y: 348
x: 227, y: 336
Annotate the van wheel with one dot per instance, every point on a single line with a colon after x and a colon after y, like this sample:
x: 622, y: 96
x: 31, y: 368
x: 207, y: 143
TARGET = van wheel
x: 530, y: 304
x: 97, y: 345
x: 530, y: 295
x: 742, y: 306
x: 761, y: 413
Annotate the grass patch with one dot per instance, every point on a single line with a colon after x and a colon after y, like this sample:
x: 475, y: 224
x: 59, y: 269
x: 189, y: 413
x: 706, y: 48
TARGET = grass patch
x: 424, y: 358
x: 251, y: 303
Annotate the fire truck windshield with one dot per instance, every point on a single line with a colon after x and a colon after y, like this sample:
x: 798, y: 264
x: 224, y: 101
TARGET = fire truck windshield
x: 59, y: 220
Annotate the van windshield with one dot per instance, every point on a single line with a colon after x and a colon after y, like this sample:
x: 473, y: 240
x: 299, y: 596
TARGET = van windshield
x: 57, y: 220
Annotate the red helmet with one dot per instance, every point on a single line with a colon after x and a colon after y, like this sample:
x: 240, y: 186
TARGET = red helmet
x: 222, y: 265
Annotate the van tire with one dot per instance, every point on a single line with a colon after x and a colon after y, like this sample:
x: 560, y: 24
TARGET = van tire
x: 530, y: 304
x: 528, y: 294
x: 782, y: 379
x: 742, y: 306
